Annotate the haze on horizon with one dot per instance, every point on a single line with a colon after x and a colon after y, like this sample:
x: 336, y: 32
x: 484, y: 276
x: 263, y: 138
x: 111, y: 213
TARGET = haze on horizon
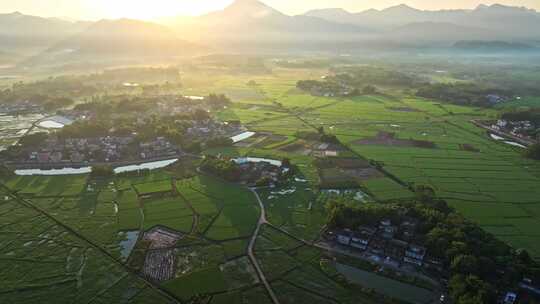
x: 141, y: 9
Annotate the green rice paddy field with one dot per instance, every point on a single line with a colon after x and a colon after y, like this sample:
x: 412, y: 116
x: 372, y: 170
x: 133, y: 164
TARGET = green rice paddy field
x: 42, y: 259
x: 79, y: 249
x: 488, y: 181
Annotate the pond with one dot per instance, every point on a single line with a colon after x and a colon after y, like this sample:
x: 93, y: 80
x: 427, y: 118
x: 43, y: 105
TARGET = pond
x: 515, y: 144
x: 496, y: 137
x: 63, y: 171
x: 144, y: 166
x: 86, y: 170
x: 49, y: 124
x: 242, y: 136
x: 243, y: 160
x: 194, y: 97
x: 386, y: 286
x: 128, y: 242
x: 55, y: 122
x: 499, y: 138
x: 129, y: 84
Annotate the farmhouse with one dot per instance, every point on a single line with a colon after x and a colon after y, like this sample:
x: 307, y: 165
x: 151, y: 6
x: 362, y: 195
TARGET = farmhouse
x: 387, y: 230
x: 415, y: 254
x: 510, y: 298
x: 495, y: 99
x: 344, y: 237
x: 362, y: 238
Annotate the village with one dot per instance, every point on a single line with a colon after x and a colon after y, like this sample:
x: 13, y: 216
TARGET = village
x: 396, y: 244
x: 101, y: 149
x: 250, y: 171
x: 25, y: 107
x: 525, y: 129
x: 391, y: 244
x: 116, y: 148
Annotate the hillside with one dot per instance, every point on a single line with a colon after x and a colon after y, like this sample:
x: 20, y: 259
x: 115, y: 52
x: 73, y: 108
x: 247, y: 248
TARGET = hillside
x: 114, y: 39
x: 23, y: 32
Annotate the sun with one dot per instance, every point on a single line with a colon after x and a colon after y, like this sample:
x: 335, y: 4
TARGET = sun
x: 152, y: 9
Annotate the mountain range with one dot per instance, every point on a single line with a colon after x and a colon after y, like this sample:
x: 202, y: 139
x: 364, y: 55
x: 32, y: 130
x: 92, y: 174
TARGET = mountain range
x: 252, y: 26
x: 124, y: 37
x: 496, y: 21
x: 251, y: 23
x: 21, y: 33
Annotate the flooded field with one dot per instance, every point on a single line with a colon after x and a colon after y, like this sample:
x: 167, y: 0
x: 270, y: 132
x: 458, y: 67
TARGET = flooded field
x: 14, y: 127
x: 242, y: 136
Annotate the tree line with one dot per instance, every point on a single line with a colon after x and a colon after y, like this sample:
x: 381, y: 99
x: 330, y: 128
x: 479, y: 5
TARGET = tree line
x: 477, y: 263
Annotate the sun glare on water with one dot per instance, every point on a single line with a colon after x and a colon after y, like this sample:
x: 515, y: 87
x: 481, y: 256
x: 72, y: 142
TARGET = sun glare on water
x: 147, y: 10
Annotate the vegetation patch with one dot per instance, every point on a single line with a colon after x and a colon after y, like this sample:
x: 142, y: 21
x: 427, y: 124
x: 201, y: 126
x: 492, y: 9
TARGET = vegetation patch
x: 403, y: 109
x: 388, y: 139
x: 204, y: 281
x: 144, y: 189
x: 468, y: 147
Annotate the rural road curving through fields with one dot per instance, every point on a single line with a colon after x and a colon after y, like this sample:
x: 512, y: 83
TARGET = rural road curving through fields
x: 251, y: 255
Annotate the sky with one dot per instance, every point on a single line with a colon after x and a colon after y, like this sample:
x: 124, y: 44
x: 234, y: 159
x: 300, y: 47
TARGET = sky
x: 151, y: 9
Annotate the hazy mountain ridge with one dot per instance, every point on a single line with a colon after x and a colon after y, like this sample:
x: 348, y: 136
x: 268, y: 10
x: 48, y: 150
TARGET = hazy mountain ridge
x: 491, y: 45
x: 23, y: 32
x: 16, y: 23
x: 114, y: 39
x: 252, y: 26
x: 503, y: 21
x: 438, y: 33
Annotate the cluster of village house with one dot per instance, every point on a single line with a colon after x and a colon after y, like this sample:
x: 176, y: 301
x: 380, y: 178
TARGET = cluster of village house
x: 175, y: 108
x: 336, y: 89
x: 21, y: 107
x: 495, y: 99
x: 100, y: 149
x: 393, y: 243
x: 121, y: 148
x: 251, y: 171
x: 382, y: 241
x: 516, y: 128
x: 209, y: 128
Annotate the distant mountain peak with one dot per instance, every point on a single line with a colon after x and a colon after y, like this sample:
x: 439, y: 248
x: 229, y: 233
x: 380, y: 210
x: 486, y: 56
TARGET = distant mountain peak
x: 248, y: 9
x: 333, y: 9
x: 495, y: 6
x: 14, y: 15
x: 371, y: 10
x: 503, y: 8
x: 335, y: 12
x: 248, y: 4
x: 401, y: 7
